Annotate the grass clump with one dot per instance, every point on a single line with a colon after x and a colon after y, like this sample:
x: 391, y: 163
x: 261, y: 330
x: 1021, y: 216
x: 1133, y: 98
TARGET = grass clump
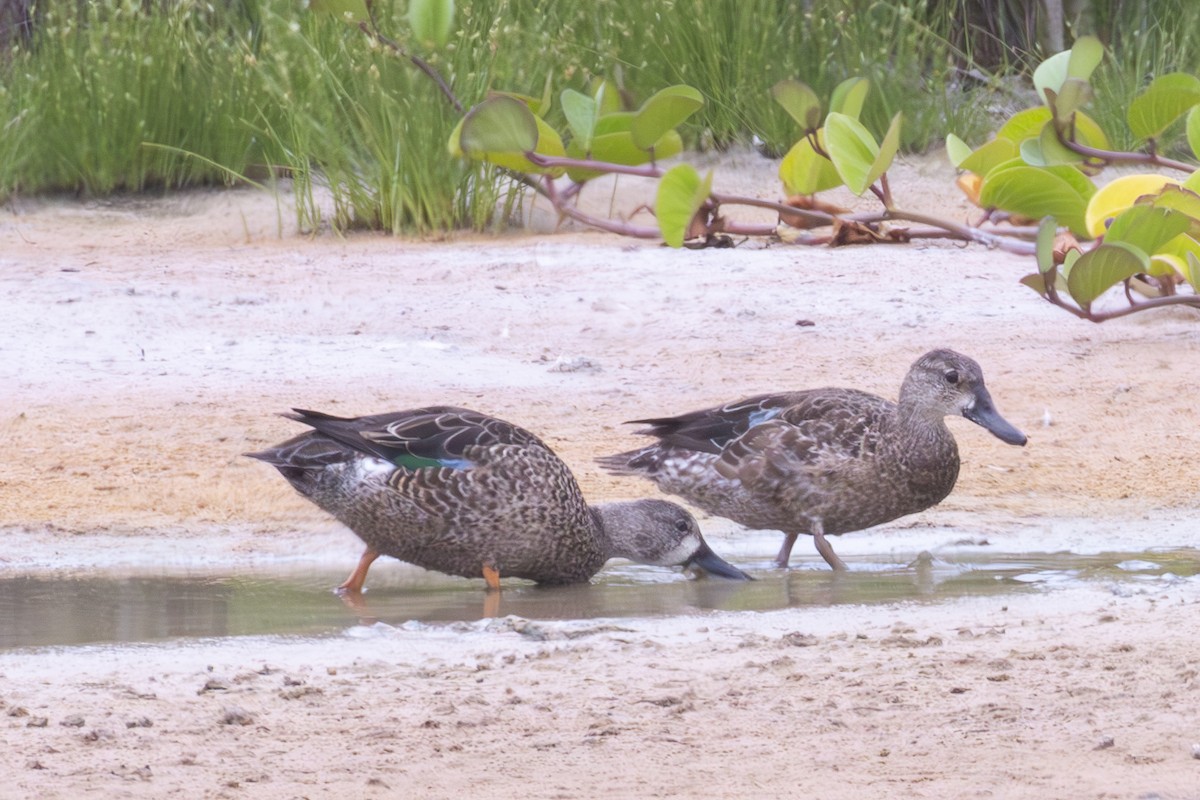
x: 101, y: 79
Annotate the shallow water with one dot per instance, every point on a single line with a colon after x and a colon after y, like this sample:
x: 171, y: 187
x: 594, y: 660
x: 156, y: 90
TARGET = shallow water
x: 133, y: 606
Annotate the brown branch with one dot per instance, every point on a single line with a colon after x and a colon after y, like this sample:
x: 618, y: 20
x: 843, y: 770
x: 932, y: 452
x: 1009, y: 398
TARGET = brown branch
x: 370, y: 30
x: 1116, y: 156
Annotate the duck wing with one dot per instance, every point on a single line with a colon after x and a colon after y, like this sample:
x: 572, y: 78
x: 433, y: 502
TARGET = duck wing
x: 819, y: 433
x: 434, y: 436
x: 710, y: 430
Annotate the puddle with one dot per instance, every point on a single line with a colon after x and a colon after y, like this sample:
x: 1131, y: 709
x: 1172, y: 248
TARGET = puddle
x: 123, y: 606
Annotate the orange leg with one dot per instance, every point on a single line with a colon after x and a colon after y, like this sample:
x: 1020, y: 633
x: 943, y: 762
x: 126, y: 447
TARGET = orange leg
x: 354, y: 584
x: 491, y: 575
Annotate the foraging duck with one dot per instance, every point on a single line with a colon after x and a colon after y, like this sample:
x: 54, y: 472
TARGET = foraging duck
x: 460, y: 492
x: 822, y: 461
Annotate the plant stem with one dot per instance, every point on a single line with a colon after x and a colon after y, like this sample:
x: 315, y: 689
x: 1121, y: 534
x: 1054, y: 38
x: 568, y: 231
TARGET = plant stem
x: 417, y: 61
x: 1117, y: 156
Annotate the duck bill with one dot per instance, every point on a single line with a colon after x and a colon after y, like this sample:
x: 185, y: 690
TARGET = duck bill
x: 709, y: 562
x: 983, y: 413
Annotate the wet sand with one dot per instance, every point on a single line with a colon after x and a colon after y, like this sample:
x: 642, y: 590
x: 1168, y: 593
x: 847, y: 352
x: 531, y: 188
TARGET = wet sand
x: 146, y: 344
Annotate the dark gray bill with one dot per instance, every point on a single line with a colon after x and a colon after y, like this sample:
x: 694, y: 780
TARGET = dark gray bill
x: 708, y: 561
x: 984, y: 413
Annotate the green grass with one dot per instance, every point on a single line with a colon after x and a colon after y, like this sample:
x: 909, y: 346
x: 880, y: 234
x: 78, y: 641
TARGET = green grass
x: 110, y: 97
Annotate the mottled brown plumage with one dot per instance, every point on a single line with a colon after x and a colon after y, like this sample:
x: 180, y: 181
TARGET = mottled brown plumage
x: 460, y: 492
x: 821, y: 461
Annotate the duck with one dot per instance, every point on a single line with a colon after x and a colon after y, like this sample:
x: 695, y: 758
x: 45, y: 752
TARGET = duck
x: 467, y: 494
x: 821, y: 462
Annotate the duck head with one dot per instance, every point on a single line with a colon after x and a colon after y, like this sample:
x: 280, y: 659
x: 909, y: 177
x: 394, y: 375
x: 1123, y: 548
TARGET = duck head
x: 661, y: 533
x: 950, y: 383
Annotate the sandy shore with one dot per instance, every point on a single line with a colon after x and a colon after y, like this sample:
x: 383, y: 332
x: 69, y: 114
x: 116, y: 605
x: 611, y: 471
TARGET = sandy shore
x: 146, y: 344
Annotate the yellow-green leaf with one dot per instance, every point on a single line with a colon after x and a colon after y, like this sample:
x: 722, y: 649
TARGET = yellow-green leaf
x: 1193, y: 130
x: 852, y: 149
x: 1100, y: 269
x: 1025, y: 124
x: 957, y: 150
x: 990, y: 155
x: 1047, y: 230
x: 1147, y: 228
x: 800, y: 102
x: 663, y: 112
x: 1166, y: 99
x: 431, y: 20
x: 803, y: 171
x: 848, y: 97
x: 681, y: 193
x: 1037, y: 192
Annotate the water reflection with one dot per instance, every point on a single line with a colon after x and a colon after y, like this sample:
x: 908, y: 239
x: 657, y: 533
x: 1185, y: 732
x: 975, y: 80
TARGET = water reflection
x: 109, y: 607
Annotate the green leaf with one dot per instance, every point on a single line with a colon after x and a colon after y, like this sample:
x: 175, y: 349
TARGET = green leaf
x: 1147, y: 228
x: 1193, y: 182
x: 500, y: 130
x: 852, y: 149
x: 1086, y: 55
x: 614, y: 122
x: 995, y: 152
x: 1070, y: 98
x: 887, y: 150
x: 581, y: 112
x: 957, y: 150
x: 1051, y: 73
x: 1166, y: 99
x: 608, y: 97
x: 1192, y: 273
x: 800, y: 102
x: 1100, y: 269
x: 351, y: 11
x: 663, y: 112
x: 1193, y: 131
x: 1078, y: 62
x: 431, y: 20
x: 1047, y: 230
x: 1025, y: 124
x: 681, y: 193
x: 500, y: 124
x: 804, y: 171
x: 1035, y: 281
x: 618, y: 148
x: 1038, y: 192
x: 1046, y: 150
x: 848, y: 97
x: 1089, y: 133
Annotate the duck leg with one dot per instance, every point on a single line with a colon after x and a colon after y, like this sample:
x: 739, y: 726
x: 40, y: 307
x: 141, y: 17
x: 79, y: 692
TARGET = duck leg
x: 826, y: 549
x: 785, y: 552
x: 492, y: 576
x: 354, y: 584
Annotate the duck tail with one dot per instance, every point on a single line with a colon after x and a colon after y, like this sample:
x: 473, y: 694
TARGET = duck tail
x: 633, y: 462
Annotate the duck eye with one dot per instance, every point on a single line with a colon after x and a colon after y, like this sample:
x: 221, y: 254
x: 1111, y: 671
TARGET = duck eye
x: 682, y: 525
x: 951, y: 376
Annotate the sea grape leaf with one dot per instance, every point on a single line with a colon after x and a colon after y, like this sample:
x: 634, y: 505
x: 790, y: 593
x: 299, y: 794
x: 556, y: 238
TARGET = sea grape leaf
x: 804, y: 171
x: 681, y: 193
x: 957, y: 150
x: 853, y: 150
x: 1147, y: 228
x: 990, y: 155
x: 1038, y: 192
x: 1166, y: 99
x: 663, y: 112
x: 1193, y: 132
x: 848, y: 97
x: 581, y: 112
x: 799, y: 101
x: 1100, y: 269
x: 1047, y: 230
x: 501, y: 130
x: 431, y: 20
x: 618, y: 148
x: 1078, y: 62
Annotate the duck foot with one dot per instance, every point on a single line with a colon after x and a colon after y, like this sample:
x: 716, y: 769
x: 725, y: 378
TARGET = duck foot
x: 354, y: 584
x: 826, y: 551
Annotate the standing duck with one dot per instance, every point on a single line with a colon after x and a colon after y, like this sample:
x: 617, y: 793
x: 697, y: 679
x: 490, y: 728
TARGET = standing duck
x: 460, y: 492
x: 822, y: 461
